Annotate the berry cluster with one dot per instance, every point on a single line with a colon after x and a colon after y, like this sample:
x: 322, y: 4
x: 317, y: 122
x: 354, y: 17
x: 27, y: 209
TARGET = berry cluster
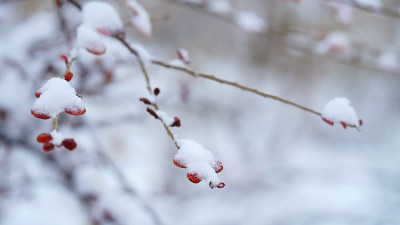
x: 344, y: 124
x: 49, y: 142
x: 196, y: 178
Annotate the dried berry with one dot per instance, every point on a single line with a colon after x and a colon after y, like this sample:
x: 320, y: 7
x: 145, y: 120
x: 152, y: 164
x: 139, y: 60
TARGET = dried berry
x: 360, y: 122
x: 38, y: 94
x: 145, y: 101
x: 68, y: 76
x: 176, y: 163
x: 69, y: 143
x: 343, y: 124
x: 156, y: 91
x: 194, y: 177
x: 44, y: 137
x: 152, y: 112
x: 176, y: 123
x: 47, y: 147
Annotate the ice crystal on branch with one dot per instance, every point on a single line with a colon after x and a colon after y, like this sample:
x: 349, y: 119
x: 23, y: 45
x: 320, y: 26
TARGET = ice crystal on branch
x: 57, y: 96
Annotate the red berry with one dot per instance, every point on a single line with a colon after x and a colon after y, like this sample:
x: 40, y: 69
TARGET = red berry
x: 343, y: 124
x: 40, y: 116
x: 38, y: 94
x: 47, y: 147
x: 69, y: 144
x: 194, y: 177
x: 218, y: 167
x: 178, y: 164
x: 156, y: 91
x: 65, y: 58
x: 221, y: 185
x: 76, y: 112
x: 360, y: 122
x: 327, y: 121
x: 44, y: 137
x: 68, y: 76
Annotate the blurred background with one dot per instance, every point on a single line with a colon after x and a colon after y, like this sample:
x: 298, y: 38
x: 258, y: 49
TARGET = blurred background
x: 282, y: 165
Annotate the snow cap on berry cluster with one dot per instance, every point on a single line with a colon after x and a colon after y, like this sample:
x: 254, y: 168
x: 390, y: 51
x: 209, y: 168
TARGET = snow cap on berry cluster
x: 56, y: 96
x: 141, y: 19
x: 339, y: 110
x: 101, y: 16
x: 198, y: 160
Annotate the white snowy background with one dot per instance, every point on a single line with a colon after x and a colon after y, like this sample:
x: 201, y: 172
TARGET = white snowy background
x: 281, y: 165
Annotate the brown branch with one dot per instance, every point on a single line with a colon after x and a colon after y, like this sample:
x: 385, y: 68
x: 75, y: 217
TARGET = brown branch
x: 209, y: 77
x: 150, y: 90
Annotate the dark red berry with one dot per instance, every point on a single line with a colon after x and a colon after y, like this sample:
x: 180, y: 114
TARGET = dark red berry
x: 360, y: 122
x: 194, y: 177
x: 44, y: 137
x: 47, y: 147
x: 145, y: 101
x: 176, y: 123
x: 156, y: 91
x: 152, y: 112
x: 69, y: 144
x: 38, y: 94
x: 68, y: 76
x: 343, y: 124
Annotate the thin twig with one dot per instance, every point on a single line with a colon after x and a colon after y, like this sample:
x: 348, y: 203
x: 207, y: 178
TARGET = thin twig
x: 150, y: 90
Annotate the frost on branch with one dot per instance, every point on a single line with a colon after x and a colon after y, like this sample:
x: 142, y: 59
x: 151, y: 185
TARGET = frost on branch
x: 339, y: 111
x: 102, y: 17
x: 90, y: 40
x: 141, y: 20
x: 199, y: 162
x: 56, y: 96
